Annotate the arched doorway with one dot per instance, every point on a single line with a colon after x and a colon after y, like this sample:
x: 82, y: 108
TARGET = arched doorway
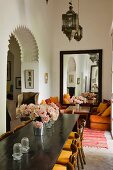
x: 71, y: 74
x: 22, y: 55
x: 23, y: 47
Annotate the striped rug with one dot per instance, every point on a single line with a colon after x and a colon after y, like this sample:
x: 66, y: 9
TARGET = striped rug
x: 94, y: 138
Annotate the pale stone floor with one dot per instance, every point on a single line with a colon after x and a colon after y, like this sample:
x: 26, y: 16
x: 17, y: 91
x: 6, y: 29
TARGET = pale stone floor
x: 100, y: 159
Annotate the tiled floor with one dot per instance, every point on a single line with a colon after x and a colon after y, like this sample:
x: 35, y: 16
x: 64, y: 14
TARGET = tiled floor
x: 100, y: 159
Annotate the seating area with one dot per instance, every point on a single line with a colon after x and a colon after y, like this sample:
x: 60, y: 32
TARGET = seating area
x: 85, y: 98
x: 100, y: 117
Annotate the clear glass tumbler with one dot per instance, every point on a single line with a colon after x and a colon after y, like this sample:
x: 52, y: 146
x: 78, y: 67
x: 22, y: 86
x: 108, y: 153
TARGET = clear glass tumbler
x: 17, y: 151
x: 25, y: 144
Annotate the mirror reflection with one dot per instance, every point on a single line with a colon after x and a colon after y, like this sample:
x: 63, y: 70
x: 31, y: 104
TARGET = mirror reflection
x: 81, y: 74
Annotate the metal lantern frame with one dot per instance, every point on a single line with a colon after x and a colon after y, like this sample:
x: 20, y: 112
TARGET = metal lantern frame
x: 71, y: 27
x: 70, y: 22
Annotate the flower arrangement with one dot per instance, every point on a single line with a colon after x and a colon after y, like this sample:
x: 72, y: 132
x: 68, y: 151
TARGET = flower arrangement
x: 77, y: 99
x: 89, y: 95
x: 40, y: 114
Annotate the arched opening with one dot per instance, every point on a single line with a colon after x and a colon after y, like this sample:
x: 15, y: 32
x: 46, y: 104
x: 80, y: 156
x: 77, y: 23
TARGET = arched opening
x: 13, y: 69
x: 22, y: 55
x: 71, y: 74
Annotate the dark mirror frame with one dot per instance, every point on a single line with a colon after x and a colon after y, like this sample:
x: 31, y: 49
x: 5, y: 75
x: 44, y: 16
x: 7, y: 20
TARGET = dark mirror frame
x: 63, y: 55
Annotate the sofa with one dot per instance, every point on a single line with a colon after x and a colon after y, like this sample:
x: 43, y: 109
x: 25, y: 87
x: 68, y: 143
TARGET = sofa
x: 100, y: 117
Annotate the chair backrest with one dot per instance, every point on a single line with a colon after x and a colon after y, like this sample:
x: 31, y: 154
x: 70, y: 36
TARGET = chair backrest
x: 71, y: 165
x: 83, y: 122
x: 11, y: 107
x: 20, y: 99
x: 27, y: 98
x: 80, y: 131
x: 73, y: 147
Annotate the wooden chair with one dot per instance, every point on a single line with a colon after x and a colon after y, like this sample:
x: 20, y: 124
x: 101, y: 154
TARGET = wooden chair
x: 80, y: 132
x: 70, y: 165
x: 3, y: 136
x: 83, y: 123
x: 67, y: 160
x: 65, y: 155
x: 78, y: 137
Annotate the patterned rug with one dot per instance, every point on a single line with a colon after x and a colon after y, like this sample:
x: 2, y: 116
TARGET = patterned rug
x: 94, y: 138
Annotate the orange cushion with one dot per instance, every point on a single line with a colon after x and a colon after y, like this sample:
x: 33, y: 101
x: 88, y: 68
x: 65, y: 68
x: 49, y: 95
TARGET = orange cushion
x: 66, y: 101
x: 101, y: 108
x: 107, y: 112
x: 59, y: 167
x: 64, y: 157
x: 67, y: 145
x: 99, y: 119
x: 71, y: 135
x: 54, y: 99
x: 66, y: 96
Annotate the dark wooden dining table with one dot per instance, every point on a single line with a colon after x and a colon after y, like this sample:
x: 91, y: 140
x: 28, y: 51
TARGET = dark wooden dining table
x: 44, y: 150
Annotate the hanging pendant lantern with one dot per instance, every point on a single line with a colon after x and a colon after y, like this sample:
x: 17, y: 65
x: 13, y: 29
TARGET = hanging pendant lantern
x: 71, y: 27
x: 70, y: 22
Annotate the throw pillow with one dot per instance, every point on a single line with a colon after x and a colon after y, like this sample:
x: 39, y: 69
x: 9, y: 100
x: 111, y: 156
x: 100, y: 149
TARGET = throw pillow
x: 66, y: 96
x: 107, y: 112
x: 101, y: 108
x: 66, y: 101
x: 48, y: 101
x: 54, y: 99
x: 43, y: 102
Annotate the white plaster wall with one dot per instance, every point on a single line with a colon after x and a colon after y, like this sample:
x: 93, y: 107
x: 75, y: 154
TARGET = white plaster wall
x: 36, y: 15
x: 39, y: 19
x: 95, y: 18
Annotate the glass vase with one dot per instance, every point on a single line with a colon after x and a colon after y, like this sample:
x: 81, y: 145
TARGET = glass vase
x: 38, y: 131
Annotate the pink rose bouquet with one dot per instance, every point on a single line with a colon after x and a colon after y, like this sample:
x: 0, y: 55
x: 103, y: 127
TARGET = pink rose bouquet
x: 40, y: 114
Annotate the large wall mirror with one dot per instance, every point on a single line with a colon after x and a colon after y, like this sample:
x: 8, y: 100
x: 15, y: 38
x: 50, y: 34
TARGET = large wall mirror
x: 81, y: 72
